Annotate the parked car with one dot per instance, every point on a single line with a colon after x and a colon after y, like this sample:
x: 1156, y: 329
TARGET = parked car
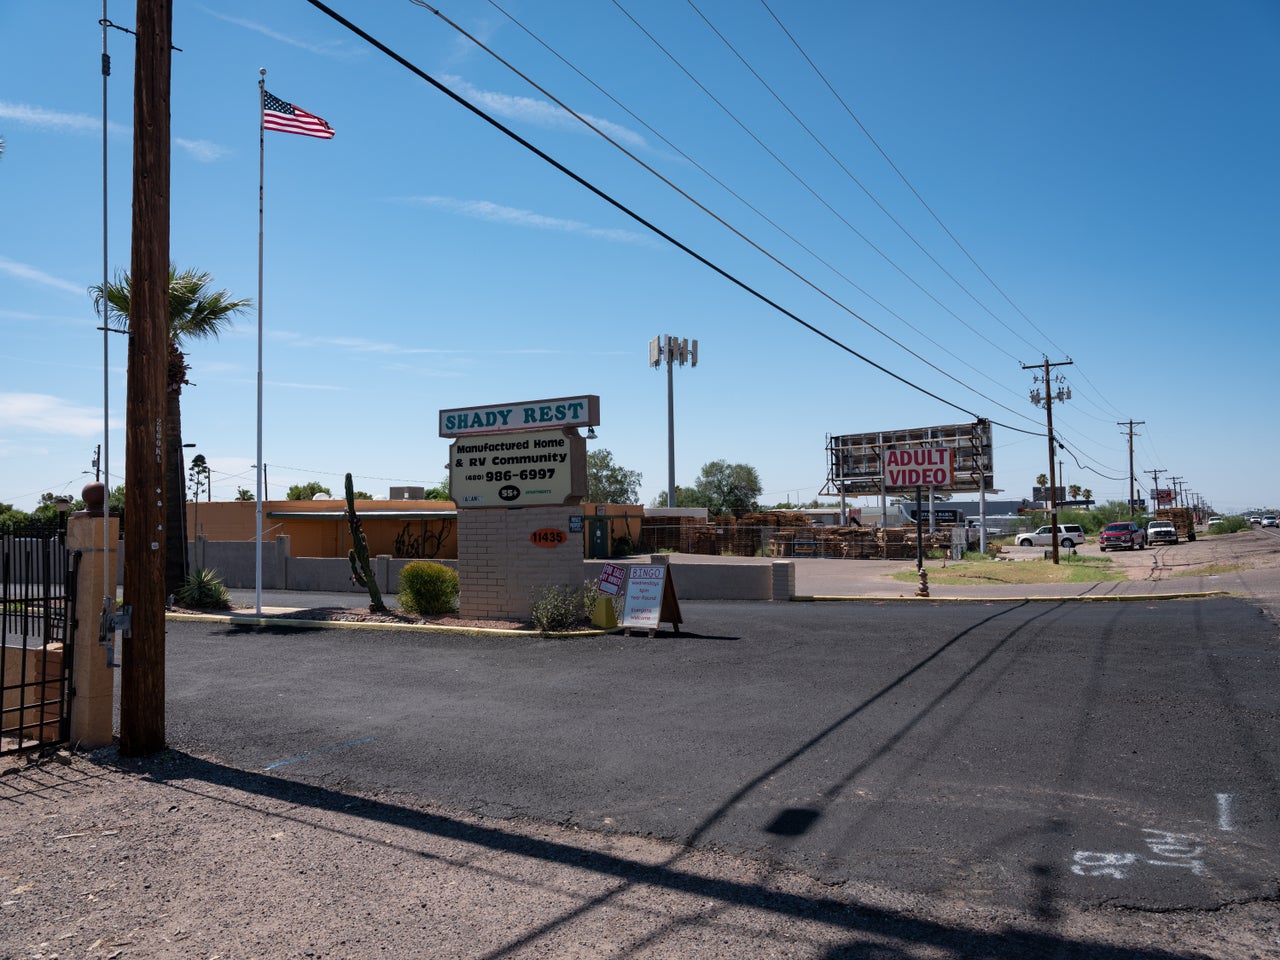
x: 1069, y: 535
x: 1270, y: 520
x: 1161, y: 531
x: 1126, y: 534
x: 1256, y: 519
x: 1214, y: 522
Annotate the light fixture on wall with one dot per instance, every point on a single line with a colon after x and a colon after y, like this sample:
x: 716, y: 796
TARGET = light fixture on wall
x: 591, y: 433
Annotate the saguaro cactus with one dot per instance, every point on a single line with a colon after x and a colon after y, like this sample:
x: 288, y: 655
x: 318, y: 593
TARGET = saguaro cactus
x: 358, y: 555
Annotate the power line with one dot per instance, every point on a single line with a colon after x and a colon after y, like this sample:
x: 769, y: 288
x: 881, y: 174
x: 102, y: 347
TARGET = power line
x: 804, y: 183
x: 658, y: 231
x: 848, y: 173
x: 737, y: 196
x: 903, y: 177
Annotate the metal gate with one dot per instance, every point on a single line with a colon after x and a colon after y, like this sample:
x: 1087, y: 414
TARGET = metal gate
x: 37, y: 600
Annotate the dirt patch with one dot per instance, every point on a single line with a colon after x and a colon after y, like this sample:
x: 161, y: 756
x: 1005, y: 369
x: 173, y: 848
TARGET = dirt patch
x: 179, y: 856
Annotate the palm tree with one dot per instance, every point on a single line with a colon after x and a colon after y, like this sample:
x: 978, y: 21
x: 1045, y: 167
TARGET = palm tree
x: 1087, y: 494
x: 196, y: 312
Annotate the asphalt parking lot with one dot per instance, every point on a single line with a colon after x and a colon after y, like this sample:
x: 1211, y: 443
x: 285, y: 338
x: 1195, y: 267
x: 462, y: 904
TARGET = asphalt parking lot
x: 1020, y: 754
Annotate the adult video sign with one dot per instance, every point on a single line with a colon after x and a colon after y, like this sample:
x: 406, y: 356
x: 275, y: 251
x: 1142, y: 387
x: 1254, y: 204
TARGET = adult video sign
x: 530, y: 468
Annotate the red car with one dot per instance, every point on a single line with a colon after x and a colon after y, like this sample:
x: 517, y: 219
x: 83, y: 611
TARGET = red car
x: 1125, y: 535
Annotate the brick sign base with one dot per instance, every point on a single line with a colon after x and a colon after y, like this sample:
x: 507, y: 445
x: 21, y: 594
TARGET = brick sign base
x: 500, y: 567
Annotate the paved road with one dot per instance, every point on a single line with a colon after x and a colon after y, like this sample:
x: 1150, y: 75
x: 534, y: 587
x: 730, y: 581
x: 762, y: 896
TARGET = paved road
x: 1002, y: 753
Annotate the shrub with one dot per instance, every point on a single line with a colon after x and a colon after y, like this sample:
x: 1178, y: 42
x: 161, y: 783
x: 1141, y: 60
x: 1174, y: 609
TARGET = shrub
x: 557, y: 609
x: 203, y: 590
x: 428, y: 589
x: 1228, y: 525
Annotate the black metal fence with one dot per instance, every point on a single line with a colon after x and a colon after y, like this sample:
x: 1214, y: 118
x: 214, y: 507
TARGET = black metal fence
x: 37, y: 595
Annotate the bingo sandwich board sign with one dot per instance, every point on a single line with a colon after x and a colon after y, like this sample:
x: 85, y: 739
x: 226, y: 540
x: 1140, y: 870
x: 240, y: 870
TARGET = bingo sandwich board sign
x: 650, y: 599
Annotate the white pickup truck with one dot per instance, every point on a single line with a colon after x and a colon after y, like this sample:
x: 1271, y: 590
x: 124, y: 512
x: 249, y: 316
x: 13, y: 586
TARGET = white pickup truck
x: 1069, y: 535
x: 1161, y: 531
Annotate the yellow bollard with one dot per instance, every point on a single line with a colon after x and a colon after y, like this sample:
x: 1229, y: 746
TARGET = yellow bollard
x: 603, y: 615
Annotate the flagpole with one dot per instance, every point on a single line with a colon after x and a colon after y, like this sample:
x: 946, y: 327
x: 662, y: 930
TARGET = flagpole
x: 257, y: 556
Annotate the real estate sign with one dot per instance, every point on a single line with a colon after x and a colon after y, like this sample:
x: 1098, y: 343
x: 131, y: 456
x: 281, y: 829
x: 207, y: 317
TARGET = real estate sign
x: 531, y: 468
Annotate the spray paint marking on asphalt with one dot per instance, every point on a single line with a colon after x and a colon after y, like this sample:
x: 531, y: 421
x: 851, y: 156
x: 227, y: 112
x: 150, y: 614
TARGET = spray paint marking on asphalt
x: 1164, y: 849
x: 316, y: 753
x: 1225, y: 821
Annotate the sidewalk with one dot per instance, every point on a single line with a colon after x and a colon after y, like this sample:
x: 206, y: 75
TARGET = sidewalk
x: 827, y: 579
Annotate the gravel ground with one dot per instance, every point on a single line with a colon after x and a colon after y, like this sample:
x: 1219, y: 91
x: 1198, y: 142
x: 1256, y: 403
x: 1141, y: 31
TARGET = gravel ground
x: 179, y: 856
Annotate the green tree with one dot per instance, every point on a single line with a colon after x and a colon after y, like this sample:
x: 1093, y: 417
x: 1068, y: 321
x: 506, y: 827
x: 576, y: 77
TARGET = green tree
x: 608, y: 482
x: 115, y: 501
x: 53, y: 508
x: 685, y: 497
x: 1087, y: 494
x: 361, y: 495
x: 728, y: 487
x: 243, y: 494
x: 11, y: 519
x: 307, y: 491
x: 196, y: 312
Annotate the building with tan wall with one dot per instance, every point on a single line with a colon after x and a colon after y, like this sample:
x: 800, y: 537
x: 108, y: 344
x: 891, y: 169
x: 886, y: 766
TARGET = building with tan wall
x: 425, y: 529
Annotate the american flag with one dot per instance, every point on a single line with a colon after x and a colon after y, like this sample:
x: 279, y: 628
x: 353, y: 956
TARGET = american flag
x: 285, y: 117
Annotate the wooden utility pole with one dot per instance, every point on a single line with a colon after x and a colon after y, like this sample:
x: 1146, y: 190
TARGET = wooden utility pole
x: 1048, y: 412
x: 143, y: 660
x: 1155, y: 485
x: 1133, y: 507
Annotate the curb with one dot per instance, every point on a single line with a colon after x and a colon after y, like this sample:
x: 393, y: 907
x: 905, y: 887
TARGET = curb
x: 254, y: 621
x: 1091, y: 598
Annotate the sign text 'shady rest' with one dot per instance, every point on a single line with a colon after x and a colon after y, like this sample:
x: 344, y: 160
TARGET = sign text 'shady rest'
x: 581, y: 411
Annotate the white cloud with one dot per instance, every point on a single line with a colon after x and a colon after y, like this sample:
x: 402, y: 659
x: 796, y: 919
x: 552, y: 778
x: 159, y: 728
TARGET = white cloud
x: 43, y: 413
x: 353, y: 344
x: 202, y: 150
x: 306, y: 386
x: 25, y: 271
x: 331, y: 48
x: 13, y: 451
x: 542, y: 113
x: 497, y: 213
x: 43, y: 119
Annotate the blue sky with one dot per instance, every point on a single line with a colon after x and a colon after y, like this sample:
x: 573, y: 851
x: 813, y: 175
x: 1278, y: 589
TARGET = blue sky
x: 1100, y: 182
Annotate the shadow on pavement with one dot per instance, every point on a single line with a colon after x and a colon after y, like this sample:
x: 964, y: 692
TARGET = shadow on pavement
x: 176, y: 769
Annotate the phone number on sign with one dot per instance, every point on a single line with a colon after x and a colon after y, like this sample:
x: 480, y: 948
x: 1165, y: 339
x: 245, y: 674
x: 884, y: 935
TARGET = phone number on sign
x: 502, y: 476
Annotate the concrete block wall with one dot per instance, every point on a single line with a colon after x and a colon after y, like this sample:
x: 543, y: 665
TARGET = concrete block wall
x: 748, y: 579
x: 500, y: 568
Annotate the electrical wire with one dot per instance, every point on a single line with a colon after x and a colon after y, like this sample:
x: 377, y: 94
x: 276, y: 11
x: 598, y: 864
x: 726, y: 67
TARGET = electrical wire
x: 722, y: 222
x: 911, y: 187
x: 737, y: 196
x: 804, y: 183
x: 903, y: 177
x: 741, y: 284
x: 849, y: 173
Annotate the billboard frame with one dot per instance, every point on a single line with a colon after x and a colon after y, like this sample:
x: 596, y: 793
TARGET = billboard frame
x: 855, y: 462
